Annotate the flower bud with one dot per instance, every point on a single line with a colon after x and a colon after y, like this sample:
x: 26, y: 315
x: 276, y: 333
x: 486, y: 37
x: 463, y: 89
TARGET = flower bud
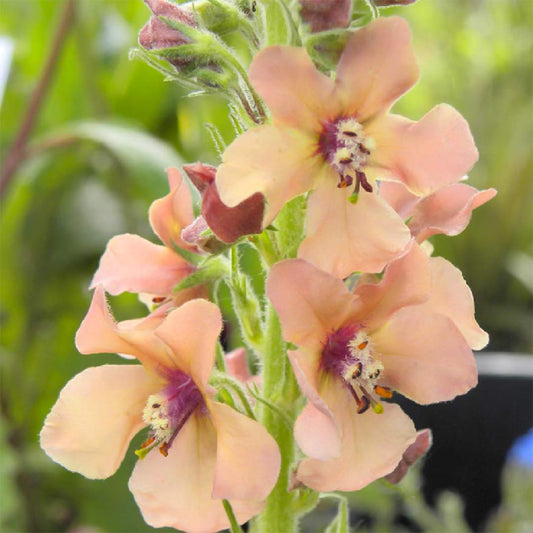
x: 389, y: 3
x: 156, y: 34
x: 173, y: 34
x: 326, y: 14
x: 178, y: 34
x: 227, y: 223
x: 220, y: 17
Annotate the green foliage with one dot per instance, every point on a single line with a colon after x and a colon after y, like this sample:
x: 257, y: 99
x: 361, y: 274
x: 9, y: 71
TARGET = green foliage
x: 341, y: 523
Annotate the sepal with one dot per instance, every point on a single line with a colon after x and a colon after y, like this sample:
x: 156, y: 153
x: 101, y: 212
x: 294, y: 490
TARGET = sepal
x: 341, y: 523
x: 222, y: 17
x: 214, y: 269
x: 325, y: 48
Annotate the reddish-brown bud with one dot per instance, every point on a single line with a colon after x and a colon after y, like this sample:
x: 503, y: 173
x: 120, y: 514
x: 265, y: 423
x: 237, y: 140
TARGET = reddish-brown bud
x: 326, y: 14
x: 156, y: 34
x: 170, y: 10
x: 387, y: 3
x: 227, y: 223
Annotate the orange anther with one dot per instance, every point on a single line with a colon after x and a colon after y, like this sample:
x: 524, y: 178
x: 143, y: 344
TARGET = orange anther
x: 147, y: 442
x: 384, y: 392
x: 164, y: 449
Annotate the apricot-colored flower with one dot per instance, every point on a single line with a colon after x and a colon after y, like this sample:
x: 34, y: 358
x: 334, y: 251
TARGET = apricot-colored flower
x: 134, y: 264
x: 447, y: 210
x: 338, y: 133
x: 209, y: 451
x: 409, y: 332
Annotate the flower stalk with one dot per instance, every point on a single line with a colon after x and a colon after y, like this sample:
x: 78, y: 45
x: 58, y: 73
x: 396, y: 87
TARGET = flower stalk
x: 279, y: 386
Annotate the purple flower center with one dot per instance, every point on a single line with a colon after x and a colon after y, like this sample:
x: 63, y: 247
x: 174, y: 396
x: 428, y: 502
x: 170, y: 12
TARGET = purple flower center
x: 344, y: 145
x: 336, y: 354
x: 167, y: 411
x: 348, y: 355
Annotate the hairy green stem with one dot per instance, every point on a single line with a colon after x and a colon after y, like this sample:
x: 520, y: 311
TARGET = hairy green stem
x: 280, y: 388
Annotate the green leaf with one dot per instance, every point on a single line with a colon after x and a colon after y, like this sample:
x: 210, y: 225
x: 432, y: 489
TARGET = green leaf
x: 230, y: 384
x: 278, y: 24
x: 11, y: 499
x: 140, y: 154
x: 290, y: 226
x: 341, y: 523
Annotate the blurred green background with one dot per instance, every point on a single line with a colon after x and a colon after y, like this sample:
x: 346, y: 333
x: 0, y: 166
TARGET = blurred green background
x: 106, y: 130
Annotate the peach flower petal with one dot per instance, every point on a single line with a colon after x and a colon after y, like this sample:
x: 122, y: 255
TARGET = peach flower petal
x: 297, y: 94
x: 149, y: 322
x: 170, y: 214
x: 372, y: 445
x: 98, y: 332
x: 191, y: 331
x: 406, y: 281
x: 131, y: 263
x: 237, y: 365
x: 278, y: 163
x: 96, y: 415
x: 377, y: 66
x: 398, y: 197
x: 342, y: 237
x: 425, y: 155
x: 309, y: 302
x: 248, y: 458
x: 176, y: 491
x: 425, y: 356
x: 316, y: 431
x: 451, y: 296
x: 423, y: 442
x: 447, y: 210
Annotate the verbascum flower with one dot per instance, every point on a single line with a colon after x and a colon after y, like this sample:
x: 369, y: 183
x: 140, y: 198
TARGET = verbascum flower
x: 133, y: 264
x: 207, y: 450
x: 338, y: 139
x: 410, y: 332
